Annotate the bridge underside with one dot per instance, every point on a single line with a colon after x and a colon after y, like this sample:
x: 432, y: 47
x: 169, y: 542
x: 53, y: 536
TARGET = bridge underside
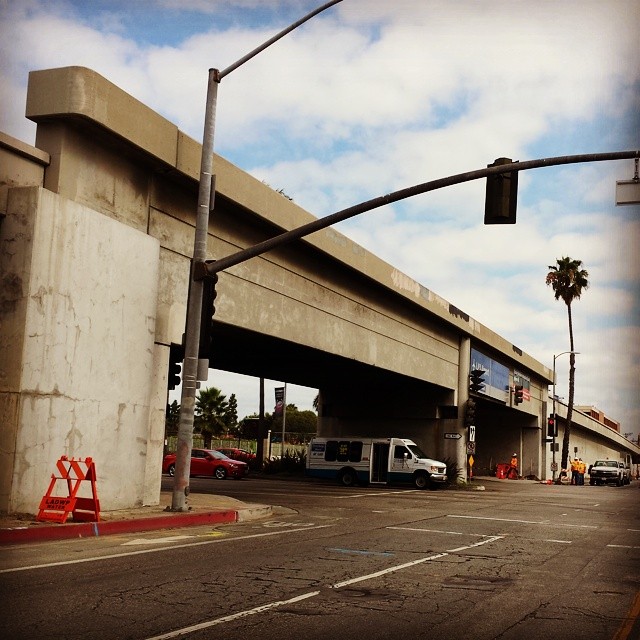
x: 241, y: 351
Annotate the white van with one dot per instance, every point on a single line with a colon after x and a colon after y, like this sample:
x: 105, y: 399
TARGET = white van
x: 353, y: 460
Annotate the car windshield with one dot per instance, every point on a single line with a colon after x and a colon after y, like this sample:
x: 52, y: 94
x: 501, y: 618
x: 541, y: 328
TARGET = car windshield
x: 417, y: 452
x: 605, y: 463
x: 218, y: 455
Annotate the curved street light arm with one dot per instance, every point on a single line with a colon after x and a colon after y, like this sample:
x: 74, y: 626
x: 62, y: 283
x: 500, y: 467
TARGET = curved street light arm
x: 210, y: 268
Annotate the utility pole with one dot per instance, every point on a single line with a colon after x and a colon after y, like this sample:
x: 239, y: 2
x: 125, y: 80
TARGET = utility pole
x: 206, y: 193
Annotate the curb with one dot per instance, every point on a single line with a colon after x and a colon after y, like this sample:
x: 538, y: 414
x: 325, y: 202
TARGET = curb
x: 95, y: 529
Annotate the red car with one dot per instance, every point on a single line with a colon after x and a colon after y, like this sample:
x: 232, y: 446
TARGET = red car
x: 205, y: 462
x: 237, y: 454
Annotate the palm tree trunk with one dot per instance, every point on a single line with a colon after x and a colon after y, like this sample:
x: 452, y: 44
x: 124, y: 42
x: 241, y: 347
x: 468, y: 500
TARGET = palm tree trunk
x: 572, y: 376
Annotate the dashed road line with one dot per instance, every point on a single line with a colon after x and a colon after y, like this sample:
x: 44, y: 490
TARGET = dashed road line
x: 545, y: 522
x: 278, y: 603
x: 157, y: 549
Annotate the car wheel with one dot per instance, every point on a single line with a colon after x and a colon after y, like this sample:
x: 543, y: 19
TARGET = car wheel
x: 172, y: 470
x: 347, y: 478
x: 220, y: 473
x: 420, y: 481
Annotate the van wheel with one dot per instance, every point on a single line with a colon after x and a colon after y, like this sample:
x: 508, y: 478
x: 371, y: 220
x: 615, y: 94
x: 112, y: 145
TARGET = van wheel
x: 347, y: 478
x: 421, y: 481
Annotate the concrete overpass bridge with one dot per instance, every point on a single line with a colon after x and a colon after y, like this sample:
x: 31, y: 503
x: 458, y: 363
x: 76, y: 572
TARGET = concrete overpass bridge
x: 97, y: 240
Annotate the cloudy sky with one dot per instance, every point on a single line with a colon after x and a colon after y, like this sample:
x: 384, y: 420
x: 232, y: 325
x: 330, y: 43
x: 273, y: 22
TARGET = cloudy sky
x: 373, y: 96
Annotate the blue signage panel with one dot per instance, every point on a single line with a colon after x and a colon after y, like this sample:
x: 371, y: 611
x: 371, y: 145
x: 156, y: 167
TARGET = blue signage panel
x: 496, y: 376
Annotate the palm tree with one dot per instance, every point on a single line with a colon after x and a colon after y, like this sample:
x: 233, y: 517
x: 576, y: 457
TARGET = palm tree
x: 211, y: 413
x: 568, y: 280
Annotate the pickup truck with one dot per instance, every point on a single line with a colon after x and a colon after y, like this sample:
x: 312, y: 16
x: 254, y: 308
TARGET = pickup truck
x: 606, y: 471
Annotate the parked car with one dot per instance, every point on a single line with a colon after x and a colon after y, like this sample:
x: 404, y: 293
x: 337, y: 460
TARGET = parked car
x: 207, y: 462
x: 605, y: 471
x: 237, y: 454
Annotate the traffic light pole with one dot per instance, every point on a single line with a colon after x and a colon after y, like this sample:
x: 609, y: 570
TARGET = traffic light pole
x: 206, y: 195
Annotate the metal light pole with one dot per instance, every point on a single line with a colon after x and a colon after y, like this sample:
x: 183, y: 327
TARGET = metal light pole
x: 555, y: 421
x: 206, y: 193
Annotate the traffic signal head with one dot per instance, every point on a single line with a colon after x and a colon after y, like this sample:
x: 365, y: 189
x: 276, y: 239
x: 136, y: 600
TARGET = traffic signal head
x: 552, y: 427
x: 476, y: 384
x: 501, y: 197
x: 518, y: 393
x: 470, y: 413
x: 209, y: 295
x: 176, y: 356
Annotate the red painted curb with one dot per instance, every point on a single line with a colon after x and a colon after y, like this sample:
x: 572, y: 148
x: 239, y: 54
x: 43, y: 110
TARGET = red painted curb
x: 104, y: 528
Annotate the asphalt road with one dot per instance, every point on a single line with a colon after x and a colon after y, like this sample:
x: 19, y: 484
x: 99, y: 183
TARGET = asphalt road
x: 519, y: 560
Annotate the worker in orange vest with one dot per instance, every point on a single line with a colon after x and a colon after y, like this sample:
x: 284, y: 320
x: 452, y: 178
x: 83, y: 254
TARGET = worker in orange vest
x: 574, y: 471
x: 582, y: 469
x: 513, y: 467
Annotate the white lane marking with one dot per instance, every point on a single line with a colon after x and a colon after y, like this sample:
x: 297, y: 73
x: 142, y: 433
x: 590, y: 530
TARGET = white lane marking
x: 141, y: 541
x: 156, y: 549
x: 546, y: 522
x: 375, y: 494
x: 461, y: 533
x: 311, y: 594
x: 406, y: 565
x: 622, y: 546
x: 233, y: 616
x: 453, y: 533
x: 475, y: 544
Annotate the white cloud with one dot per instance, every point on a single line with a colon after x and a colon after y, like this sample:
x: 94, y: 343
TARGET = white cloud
x: 374, y: 96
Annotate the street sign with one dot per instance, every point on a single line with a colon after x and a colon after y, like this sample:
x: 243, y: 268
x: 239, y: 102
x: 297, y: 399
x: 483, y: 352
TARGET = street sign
x: 472, y: 433
x: 471, y: 448
x: 628, y: 191
x: 452, y: 436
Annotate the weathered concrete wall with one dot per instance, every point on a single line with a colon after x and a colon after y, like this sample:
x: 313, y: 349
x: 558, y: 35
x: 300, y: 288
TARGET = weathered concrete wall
x: 20, y: 165
x: 85, y: 326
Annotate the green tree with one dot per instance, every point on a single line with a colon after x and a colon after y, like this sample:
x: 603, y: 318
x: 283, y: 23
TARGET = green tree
x: 172, y: 419
x: 211, y: 413
x: 232, y: 412
x: 568, y: 280
x: 297, y: 422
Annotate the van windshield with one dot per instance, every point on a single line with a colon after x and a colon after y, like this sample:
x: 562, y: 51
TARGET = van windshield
x: 415, y: 449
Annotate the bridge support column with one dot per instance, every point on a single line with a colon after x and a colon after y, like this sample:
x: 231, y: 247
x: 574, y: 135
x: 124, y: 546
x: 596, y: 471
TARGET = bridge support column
x: 456, y: 448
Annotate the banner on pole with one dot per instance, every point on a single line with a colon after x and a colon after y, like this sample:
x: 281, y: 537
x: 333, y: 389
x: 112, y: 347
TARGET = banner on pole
x: 279, y: 391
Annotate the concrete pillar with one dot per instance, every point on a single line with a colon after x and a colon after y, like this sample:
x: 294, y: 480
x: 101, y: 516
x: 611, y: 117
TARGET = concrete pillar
x: 456, y: 449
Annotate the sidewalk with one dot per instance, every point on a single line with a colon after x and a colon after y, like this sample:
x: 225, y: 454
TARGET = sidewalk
x: 204, y: 509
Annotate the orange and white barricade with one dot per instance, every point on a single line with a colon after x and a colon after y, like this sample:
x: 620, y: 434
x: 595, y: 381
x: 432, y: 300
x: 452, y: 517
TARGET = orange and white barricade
x: 71, y: 473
